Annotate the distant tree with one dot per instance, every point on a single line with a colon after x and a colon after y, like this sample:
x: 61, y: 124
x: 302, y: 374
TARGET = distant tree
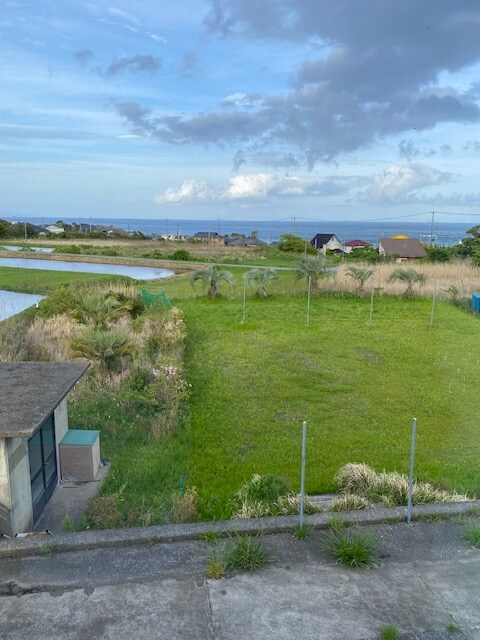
x: 410, y: 277
x: 212, y: 278
x: 254, y: 234
x: 262, y: 278
x: 438, y: 254
x: 360, y: 275
x: 469, y: 246
x: 369, y: 254
x: 4, y: 228
x: 315, y: 268
x: 294, y: 244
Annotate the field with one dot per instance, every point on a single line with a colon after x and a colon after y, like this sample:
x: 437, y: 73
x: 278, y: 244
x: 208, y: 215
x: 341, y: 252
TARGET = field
x: 357, y: 385
x: 40, y: 281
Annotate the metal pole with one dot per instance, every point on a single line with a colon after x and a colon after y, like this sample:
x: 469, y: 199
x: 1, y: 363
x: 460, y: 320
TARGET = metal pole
x: 433, y: 304
x: 308, y: 302
x: 244, y: 298
x: 410, y: 476
x: 371, y: 303
x: 432, y: 228
x: 302, y: 479
x: 25, y: 229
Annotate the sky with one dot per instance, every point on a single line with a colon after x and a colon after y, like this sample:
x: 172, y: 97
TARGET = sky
x: 239, y: 109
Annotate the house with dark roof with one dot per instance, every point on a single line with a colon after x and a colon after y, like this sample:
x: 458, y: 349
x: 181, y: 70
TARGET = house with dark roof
x: 326, y: 242
x: 33, y: 431
x: 235, y: 241
x: 403, y: 248
x: 350, y: 245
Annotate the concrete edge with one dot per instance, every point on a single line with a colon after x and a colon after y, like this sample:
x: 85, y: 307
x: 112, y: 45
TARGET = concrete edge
x: 84, y: 540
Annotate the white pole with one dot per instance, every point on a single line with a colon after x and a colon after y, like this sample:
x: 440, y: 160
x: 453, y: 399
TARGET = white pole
x: 371, y: 303
x: 302, y: 478
x: 244, y: 298
x: 410, y: 475
x: 308, y: 302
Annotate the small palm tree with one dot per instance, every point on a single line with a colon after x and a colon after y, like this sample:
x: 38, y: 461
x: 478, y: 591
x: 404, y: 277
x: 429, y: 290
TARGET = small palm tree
x: 315, y: 268
x: 106, y: 347
x: 261, y: 278
x: 360, y: 275
x: 410, y: 277
x: 97, y: 309
x: 212, y: 278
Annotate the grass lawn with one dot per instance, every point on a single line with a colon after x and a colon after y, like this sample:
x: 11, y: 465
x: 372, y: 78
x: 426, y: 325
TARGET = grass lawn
x: 41, y: 281
x: 358, y: 386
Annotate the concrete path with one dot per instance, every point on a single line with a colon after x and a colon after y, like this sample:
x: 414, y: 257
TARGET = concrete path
x: 427, y: 578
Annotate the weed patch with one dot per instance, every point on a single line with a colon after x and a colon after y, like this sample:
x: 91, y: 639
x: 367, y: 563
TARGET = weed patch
x: 351, y: 548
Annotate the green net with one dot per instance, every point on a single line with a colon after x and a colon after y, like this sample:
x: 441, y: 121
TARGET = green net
x: 156, y: 298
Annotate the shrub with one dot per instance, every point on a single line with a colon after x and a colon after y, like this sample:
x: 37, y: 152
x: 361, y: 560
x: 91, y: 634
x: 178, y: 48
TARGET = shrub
x: 247, y: 553
x: 181, y: 254
x: 108, y: 348
x: 184, y: 506
x: 61, y: 300
x: 104, y: 512
x: 350, y: 547
x: 356, y: 478
x: 266, y: 488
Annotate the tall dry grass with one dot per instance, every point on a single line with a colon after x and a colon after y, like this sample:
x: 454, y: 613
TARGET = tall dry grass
x: 440, y: 277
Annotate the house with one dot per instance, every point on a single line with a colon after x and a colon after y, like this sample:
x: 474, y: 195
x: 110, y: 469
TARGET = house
x: 174, y: 237
x: 33, y: 435
x: 350, y: 245
x: 53, y: 228
x: 235, y: 241
x: 403, y: 247
x: 212, y: 237
x: 326, y: 242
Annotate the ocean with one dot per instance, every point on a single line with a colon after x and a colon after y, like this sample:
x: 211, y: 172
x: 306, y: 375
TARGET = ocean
x: 270, y: 231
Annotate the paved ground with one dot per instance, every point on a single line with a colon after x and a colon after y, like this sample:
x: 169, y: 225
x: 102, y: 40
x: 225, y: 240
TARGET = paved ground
x: 427, y: 578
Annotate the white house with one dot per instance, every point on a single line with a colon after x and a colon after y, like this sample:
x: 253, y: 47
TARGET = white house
x: 326, y: 242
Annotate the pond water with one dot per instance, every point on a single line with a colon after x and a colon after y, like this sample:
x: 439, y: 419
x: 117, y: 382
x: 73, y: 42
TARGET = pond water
x: 11, y: 247
x: 137, y: 273
x: 12, y: 302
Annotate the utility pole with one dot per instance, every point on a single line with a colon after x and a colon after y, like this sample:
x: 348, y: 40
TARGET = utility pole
x: 295, y: 226
x: 25, y: 229
x: 432, y: 228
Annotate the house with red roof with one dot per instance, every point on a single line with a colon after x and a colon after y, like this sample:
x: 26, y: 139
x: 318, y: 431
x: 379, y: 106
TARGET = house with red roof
x: 349, y: 246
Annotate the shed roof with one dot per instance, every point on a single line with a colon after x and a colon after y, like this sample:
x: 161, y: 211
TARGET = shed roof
x: 356, y: 243
x: 403, y: 247
x: 30, y: 391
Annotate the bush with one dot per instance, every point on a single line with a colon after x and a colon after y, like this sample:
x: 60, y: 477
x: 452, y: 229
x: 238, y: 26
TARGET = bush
x: 104, y: 512
x: 291, y: 243
x: 181, y: 254
x: 61, y: 300
x: 350, y: 547
x: 107, y: 348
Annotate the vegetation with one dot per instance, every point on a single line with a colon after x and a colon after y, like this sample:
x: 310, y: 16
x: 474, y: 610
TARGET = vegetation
x: 290, y: 243
x: 389, y: 633
x: 302, y: 532
x: 349, y: 503
x: 410, y: 277
x: 247, y: 553
x: 315, y: 268
x: 351, y: 547
x: 217, y: 565
x: 472, y: 535
x: 261, y: 278
x: 211, y: 279
x: 360, y: 275
x: 41, y: 281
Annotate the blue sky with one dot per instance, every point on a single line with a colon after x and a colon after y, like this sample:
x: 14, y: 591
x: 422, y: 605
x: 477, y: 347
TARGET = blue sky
x: 235, y: 109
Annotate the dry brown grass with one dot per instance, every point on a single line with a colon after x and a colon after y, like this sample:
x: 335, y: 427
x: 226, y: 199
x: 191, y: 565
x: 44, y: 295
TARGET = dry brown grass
x: 440, y: 276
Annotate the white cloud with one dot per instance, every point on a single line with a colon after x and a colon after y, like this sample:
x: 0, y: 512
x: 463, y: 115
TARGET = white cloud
x: 398, y: 183
x: 189, y: 191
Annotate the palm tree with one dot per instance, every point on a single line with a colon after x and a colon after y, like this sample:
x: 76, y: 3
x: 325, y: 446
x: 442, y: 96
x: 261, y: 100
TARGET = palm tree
x: 315, y: 268
x: 106, y: 347
x: 261, y: 277
x: 410, y: 277
x: 97, y: 309
x: 212, y: 278
x: 360, y: 275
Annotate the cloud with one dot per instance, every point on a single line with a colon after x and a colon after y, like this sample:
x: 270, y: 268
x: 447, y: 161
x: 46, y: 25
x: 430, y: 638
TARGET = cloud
x: 373, y: 73
x: 83, y: 56
x: 238, y: 160
x: 399, y: 183
x: 133, y: 64
x: 187, y: 65
x: 120, y: 13
x: 258, y: 188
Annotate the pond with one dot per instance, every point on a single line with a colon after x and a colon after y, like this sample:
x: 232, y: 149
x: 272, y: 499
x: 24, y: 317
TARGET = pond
x: 137, y: 273
x: 12, y: 247
x: 12, y: 302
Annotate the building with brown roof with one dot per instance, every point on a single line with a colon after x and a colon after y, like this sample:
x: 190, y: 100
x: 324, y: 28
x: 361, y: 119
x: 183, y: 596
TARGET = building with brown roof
x: 401, y: 248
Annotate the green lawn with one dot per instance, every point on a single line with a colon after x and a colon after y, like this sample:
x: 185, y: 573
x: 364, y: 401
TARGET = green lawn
x: 41, y: 281
x: 358, y: 386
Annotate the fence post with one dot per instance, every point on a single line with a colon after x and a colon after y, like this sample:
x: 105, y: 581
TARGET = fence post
x: 371, y: 304
x: 308, y: 302
x: 410, y: 475
x: 244, y: 298
x: 433, y: 305
x: 302, y: 478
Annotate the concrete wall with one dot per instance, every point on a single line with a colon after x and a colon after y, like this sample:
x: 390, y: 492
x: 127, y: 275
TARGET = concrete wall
x: 5, y: 524
x: 60, y: 420
x: 20, y: 489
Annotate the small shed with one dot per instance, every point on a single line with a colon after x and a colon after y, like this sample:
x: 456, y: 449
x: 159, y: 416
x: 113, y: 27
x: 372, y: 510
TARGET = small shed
x: 33, y: 421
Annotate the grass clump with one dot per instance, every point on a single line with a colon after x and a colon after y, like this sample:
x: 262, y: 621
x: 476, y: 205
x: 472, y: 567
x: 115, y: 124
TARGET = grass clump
x: 389, y: 633
x: 351, y: 548
x: 472, y: 535
x: 50, y: 548
x: 349, y: 502
x: 302, y: 532
x: 337, y: 523
x: 247, y: 553
x: 452, y: 627
x: 67, y: 524
x: 389, y: 488
x: 209, y: 536
x: 217, y: 565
